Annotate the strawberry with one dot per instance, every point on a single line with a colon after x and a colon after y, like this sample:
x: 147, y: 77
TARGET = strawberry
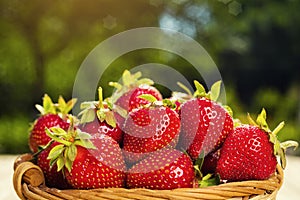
x: 98, y: 118
x: 249, y: 152
x: 126, y: 97
x: 148, y: 129
x: 52, y: 176
x: 204, y: 123
x: 51, y: 115
x: 88, y: 162
x: 163, y: 169
x: 210, y: 162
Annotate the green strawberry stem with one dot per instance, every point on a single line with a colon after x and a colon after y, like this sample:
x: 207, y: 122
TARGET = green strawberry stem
x: 100, y: 97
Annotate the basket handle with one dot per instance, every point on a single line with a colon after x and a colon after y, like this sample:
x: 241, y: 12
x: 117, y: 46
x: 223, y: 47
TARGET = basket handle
x: 27, y: 172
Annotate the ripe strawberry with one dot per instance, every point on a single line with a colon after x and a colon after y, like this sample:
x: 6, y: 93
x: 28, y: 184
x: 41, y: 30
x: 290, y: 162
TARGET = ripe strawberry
x: 148, y: 129
x: 52, y: 176
x: 88, y: 162
x: 249, y: 152
x: 163, y: 169
x: 51, y: 115
x: 126, y: 97
x: 210, y: 162
x: 204, y: 123
x: 98, y: 118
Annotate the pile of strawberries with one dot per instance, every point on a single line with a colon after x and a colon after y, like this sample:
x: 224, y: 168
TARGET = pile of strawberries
x: 137, y: 139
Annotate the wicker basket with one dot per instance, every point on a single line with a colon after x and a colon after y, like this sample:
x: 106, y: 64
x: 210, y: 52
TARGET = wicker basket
x: 29, y: 183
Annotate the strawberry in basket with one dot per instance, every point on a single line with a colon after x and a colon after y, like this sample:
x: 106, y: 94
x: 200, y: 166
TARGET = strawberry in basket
x: 98, y: 118
x: 148, y: 129
x: 249, y: 152
x: 87, y: 162
x: 126, y: 97
x: 204, y: 123
x: 53, y: 177
x: 51, y: 115
x: 163, y: 169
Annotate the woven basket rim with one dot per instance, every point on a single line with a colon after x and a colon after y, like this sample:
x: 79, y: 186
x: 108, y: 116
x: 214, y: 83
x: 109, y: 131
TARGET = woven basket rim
x: 32, y: 186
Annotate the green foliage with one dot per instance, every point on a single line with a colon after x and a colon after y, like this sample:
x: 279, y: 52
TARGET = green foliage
x: 14, y: 134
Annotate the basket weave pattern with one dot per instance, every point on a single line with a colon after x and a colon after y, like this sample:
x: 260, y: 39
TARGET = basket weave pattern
x: 29, y: 183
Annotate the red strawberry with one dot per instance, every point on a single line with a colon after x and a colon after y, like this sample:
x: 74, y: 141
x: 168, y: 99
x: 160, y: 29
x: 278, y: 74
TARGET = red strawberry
x: 149, y: 129
x: 88, y: 163
x: 52, y: 176
x: 98, y: 118
x: 163, y: 169
x: 249, y: 152
x: 210, y: 162
x: 51, y: 115
x: 204, y: 123
x: 126, y: 97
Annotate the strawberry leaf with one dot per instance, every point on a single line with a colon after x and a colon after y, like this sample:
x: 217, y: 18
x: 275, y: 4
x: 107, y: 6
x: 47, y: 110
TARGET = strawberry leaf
x: 58, y: 131
x: 40, y: 109
x: 60, y: 163
x: 250, y: 120
x: 88, y: 116
x: 110, y: 119
x: 101, y: 115
x: 289, y: 143
x: 145, y: 81
x: 261, y: 120
x: 71, y: 152
x: 148, y: 97
x: 83, y: 135
x: 209, y: 180
x: 283, y: 148
x: 215, y: 90
x: 55, y: 152
x: 136, y: 75
x: 121, y: 111
x: 200, y: 90
x: 116, y: 85
x: 126, y: 78
x: 68, y: 164
x: 61, y: 102
x: 229, y: 110
x: 48, y: 105
x: 69, y: 106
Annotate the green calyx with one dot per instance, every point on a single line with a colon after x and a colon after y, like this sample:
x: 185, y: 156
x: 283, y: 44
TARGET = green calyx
x: 65, y: 153
x: 154, y: 102
x: 213, y: 94
x: 129, y: 81
x: 279, y: 148
x: 101, y: 109
x: 208, y: 179
x: 61, y: 108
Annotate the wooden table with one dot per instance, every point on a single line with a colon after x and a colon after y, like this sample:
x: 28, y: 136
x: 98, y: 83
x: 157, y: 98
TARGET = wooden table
x: 289, y: 191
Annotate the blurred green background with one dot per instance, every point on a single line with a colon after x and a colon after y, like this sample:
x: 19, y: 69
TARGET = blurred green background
x: 255, y: 44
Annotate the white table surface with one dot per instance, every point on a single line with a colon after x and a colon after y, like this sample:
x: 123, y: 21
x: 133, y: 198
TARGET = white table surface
x: 289, y: 191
